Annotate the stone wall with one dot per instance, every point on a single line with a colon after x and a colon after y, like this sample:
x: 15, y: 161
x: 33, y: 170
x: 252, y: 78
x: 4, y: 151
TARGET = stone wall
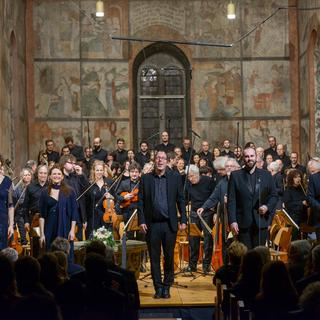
x: 309, y: 60
x: 78, y: 75
x: 13, y: 115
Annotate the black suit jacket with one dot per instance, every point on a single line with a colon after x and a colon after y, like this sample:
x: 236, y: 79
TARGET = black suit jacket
x: 244, y: 202
x: 174, y: 195
x: 313, y: 195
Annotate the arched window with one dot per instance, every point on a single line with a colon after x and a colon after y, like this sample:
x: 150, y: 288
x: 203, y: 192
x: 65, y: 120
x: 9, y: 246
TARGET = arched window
x: 162, y: 95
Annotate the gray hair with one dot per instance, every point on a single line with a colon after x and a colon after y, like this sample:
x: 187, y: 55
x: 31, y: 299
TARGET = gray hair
x: 220, y: 163
x: 60, y: 244
x: 274, y: 166
x: 233, y: 162
x: 192, y: 169
x: 10, y: 253
x: 299, y: 250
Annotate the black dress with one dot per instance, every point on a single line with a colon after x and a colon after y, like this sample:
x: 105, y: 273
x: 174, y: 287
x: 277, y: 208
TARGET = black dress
x: 293, y: 198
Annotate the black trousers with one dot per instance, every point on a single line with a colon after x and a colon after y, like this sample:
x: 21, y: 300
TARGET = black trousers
x: 253, y: 236
x: 207, y: 242
x: 160, y: 235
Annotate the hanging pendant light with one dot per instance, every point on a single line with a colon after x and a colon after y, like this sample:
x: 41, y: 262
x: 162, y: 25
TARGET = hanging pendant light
x: 231, y: 11
x: 99, y: 9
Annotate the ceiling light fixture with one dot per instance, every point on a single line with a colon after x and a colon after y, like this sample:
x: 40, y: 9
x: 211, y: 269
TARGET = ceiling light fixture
x: 99, y: 8
x: 231, y: 11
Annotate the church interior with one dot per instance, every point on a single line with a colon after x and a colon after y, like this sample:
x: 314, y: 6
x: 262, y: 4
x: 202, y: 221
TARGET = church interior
x: 200, y: 70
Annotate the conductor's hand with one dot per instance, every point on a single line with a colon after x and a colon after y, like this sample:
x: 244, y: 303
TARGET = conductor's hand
x: 183, y: 226
x: 234, y: 228
x: 143, y: 228
x: 263, y: 210
x: 199, y: 211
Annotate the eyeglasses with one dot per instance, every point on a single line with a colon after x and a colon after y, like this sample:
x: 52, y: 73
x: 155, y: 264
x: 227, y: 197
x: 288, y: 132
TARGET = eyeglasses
x: 161, y: 158
x: 70, y: 162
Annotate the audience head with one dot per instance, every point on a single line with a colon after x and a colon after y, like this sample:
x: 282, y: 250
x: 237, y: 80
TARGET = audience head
x: 315, y: 258
x: 27, y: 270
x: 264, y: 253
x: 7, y: 277
x: 235, y: 252
x: 310, y: 301
x: 299, y: 251
x: 61, y: 244
x: 276, y: 284
x: 37, y: 307
x: 10, y: 253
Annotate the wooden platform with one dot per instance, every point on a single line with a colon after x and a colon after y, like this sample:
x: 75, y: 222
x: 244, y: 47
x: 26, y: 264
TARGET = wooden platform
x: 199, y: 293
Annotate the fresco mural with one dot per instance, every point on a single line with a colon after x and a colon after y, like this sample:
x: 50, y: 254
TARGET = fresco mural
x: 205, y: 22
x: 258, y: 43
x: 216, y: 131
x: 259, y: 130
x: 266, y: 88
x: 109, y: 131
x: 105, y: 89
x: 57, y: 89
x: 56, y: 130
x: 96, y: 33
x: 217, y: 89
x: 63, y: 18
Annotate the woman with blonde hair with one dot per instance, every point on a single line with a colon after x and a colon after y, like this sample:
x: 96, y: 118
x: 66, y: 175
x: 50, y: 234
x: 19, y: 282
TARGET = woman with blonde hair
x: 95, y: 196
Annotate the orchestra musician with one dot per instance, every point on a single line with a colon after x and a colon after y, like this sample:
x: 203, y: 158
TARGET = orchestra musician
x: 19, y: 192
x: 252, y: 197
x: 224, y: 166
x: 95, y: 196
x: 160, y: 193
x: 127, y: 194
x: 6, y: 207
x: 30, y: 206
x: 199, y: 189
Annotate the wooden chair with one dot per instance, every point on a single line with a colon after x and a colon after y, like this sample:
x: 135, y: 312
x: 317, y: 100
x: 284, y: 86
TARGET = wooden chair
x: 218, y: 300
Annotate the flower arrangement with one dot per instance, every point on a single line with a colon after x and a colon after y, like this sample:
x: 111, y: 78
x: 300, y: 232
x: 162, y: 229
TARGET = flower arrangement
x: 104, y: 235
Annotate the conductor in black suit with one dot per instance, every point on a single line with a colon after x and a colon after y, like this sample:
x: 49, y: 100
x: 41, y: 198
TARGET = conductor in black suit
x: 160, y: 193
x: 252, y: 197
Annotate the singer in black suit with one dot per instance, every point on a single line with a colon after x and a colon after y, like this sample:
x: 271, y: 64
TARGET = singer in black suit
x: 252, y: 197
x: 160, y: 193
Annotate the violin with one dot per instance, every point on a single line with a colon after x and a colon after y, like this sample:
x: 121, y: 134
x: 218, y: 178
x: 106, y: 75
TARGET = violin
x: 126, y: 202
x: 15, y: 244
x: 109, y: 215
